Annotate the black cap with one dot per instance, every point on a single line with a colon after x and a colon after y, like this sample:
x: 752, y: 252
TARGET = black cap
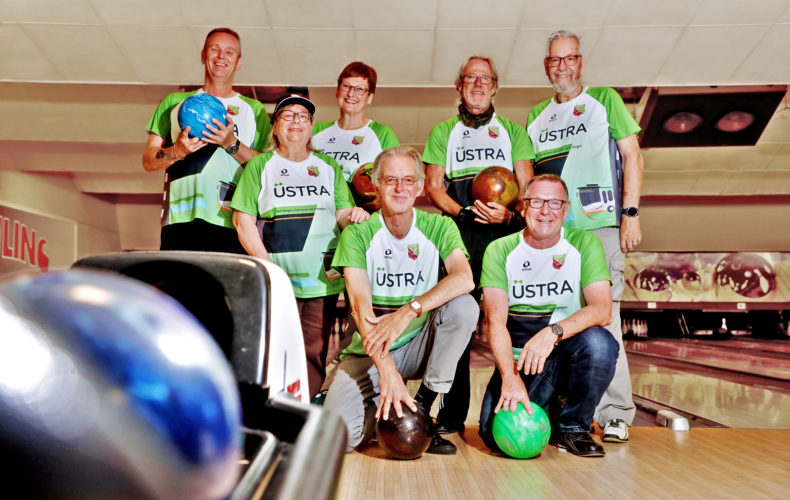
x: 294, y: 99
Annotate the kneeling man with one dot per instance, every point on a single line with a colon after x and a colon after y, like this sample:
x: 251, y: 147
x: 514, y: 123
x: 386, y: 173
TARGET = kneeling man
x: 546, y: 298
x: 409, y: 322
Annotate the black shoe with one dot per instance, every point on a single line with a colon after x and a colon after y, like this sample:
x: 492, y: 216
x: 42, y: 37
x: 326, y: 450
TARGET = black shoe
x: 449, y: 427
x: 439, y: 445
x: 580, y: 444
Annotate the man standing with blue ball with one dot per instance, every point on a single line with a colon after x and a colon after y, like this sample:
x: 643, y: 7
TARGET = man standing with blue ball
x: 202, y: 172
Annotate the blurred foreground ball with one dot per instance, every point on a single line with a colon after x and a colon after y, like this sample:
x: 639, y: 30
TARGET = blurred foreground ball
x: 110, y: 389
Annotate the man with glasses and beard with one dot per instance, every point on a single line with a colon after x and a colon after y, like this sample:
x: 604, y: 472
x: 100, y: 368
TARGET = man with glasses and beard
x: 587, y: 136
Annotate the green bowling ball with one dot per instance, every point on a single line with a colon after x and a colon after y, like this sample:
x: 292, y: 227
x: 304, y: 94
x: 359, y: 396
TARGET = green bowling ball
x: 519, y: 434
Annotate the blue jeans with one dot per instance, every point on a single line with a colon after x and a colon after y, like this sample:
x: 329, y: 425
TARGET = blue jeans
x: 579, y: 369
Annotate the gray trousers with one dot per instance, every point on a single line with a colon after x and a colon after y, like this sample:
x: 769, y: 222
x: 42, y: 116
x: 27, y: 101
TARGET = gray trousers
x: 432, y: 355
x: 617, y: 401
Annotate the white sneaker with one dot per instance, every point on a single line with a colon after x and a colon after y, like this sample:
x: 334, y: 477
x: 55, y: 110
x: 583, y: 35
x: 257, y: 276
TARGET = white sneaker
x: 615, y: 431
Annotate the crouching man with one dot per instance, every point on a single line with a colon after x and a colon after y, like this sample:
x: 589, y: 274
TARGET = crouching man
x: 546, y: 298
x: 408, y: 284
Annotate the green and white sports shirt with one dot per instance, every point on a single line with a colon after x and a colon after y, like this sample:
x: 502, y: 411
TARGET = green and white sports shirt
x: 543, y: 286
x: 577, y: 141
x: 297, y: 202
x: 399, y: 269
x: 353, y: 148
x: 464, y: 151
x: 202, y: 184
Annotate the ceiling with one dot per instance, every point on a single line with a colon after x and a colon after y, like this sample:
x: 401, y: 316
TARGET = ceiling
x: 79, y: 79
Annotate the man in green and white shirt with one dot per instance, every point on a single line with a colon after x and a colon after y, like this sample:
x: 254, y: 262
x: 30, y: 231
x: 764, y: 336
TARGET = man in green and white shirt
x: 202, y: 172
x: 588, y: 137
x: 546, y: 298
x: 409, y: 323
x: 456, y: 150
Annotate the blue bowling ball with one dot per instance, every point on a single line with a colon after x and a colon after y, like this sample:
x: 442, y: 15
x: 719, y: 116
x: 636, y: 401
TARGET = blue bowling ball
x: 115, y: 382
x: 198, y: 110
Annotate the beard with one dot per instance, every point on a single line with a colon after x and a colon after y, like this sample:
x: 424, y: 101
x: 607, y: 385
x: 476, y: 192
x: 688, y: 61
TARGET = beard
x: 564, y: 89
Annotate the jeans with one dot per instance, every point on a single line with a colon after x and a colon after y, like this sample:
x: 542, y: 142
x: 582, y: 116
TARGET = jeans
x: 579, y: 368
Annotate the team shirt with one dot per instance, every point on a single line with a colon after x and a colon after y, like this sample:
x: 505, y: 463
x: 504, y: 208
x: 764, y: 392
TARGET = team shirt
x: 543, y: 286
x: 464, y: 151
x: 297, y: 203
x: 577, y: 141
x: 202, y: 184
x: 353, y: 148
x: 399, y: 269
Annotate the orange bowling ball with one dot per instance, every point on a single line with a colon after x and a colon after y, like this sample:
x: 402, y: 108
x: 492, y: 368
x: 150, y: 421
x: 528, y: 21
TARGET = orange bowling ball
x: 496, y: 184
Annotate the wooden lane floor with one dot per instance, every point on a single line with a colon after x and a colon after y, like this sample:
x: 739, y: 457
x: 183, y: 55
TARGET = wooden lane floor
x: 700, y: 383
x: 773, y: 363
x: 657, y: 463
x: 730, y: 403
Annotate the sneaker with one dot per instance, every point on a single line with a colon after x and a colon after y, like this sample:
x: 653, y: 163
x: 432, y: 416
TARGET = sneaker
x: 615, y: 431
x: 448, y: 427
x: 580, y: 444
x: 439, y: 445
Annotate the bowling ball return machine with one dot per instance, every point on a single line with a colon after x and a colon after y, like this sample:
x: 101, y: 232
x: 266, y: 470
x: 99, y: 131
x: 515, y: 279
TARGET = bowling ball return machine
x: 293, y: 450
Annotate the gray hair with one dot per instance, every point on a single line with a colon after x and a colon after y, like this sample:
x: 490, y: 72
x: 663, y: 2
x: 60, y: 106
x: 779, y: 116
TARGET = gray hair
x: 494, y: 73
x: 562, y: 34
x: 406, y: 151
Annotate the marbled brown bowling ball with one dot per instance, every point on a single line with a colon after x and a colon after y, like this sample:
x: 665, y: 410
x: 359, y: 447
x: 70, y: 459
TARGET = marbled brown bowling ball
x: 746, y: 274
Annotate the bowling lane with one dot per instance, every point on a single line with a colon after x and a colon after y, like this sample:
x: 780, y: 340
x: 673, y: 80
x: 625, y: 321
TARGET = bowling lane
x: 773, y: 363
x: 737, y: 402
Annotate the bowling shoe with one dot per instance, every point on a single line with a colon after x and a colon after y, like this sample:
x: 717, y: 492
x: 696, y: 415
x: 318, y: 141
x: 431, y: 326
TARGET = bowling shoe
x: 448, y: 427
x: 440, y: 446
x: 580, y: 444
x: 615, y: 431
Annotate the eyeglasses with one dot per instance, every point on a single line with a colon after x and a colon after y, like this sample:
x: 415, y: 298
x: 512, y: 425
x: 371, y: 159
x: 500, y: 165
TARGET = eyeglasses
x: 354, y: 89
x: 571, y: 60
x: 393, y: 181
x: 290, y: 116
x: 484, y: 79
x: 539, y: 202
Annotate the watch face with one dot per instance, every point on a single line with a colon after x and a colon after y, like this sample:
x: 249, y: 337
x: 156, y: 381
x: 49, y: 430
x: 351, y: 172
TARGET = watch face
x: 557, y: 330
x: 631, y: 211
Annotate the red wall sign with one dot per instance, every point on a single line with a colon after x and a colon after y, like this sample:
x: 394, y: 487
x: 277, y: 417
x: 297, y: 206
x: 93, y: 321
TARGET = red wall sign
x: 30, y: 242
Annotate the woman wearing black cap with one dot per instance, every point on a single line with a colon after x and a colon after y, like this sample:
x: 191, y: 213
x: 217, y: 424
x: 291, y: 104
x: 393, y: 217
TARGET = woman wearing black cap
x: 304, y: 202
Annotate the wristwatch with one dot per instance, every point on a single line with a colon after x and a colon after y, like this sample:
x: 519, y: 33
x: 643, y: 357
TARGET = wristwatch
x: 416, y: 307
x: 557, y: 330
x: 233, y: 148
x: 630, y: 211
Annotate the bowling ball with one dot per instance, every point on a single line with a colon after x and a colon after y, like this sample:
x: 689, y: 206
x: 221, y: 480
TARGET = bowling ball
x: 404, y: 438
x: 122, y: 381
x: 519, y: 434
x: 746, y: 274
x: 198, y: 110
x: 653, y: 278
x: 496, y: 184
x: 364, y: 191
